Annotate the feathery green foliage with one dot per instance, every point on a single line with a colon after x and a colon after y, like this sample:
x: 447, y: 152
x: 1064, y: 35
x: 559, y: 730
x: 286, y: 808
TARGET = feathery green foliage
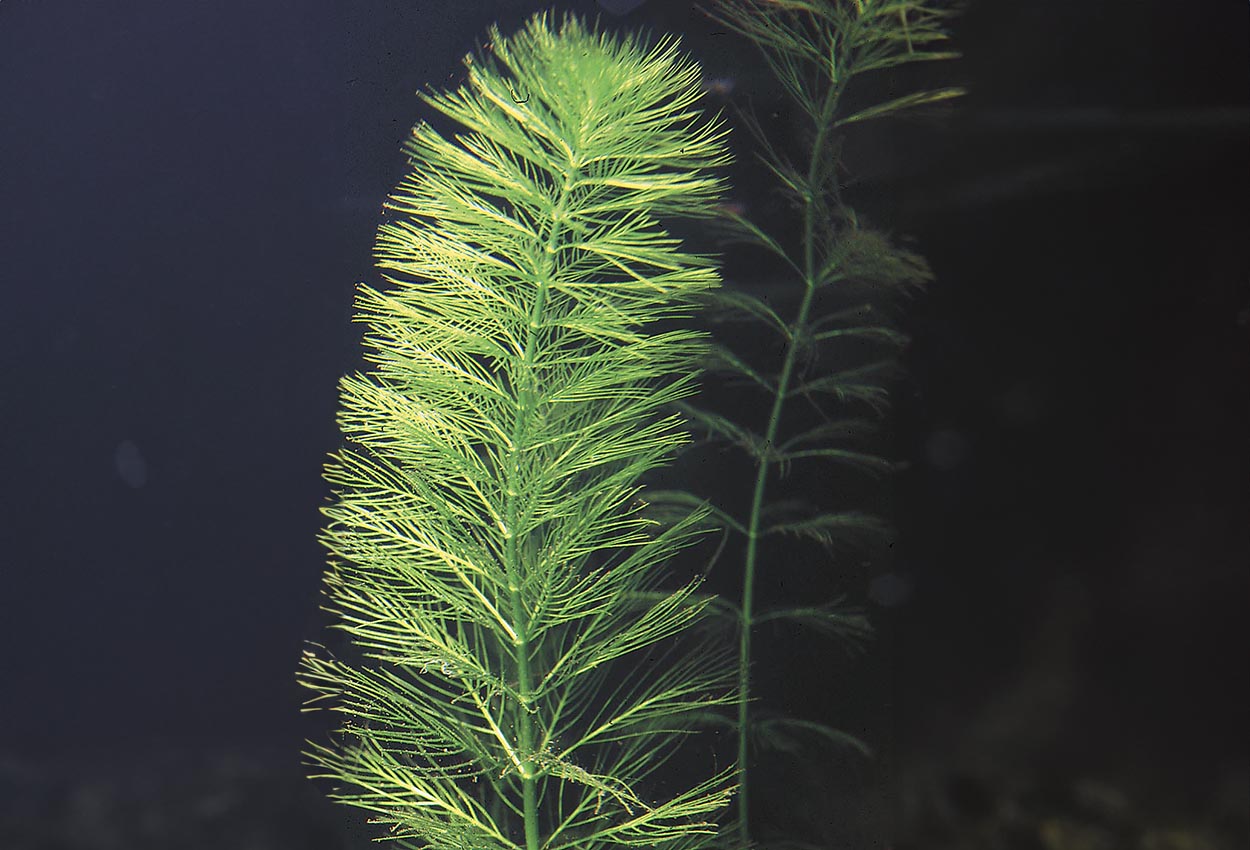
x: 828, y: 390
x: 523, y: 672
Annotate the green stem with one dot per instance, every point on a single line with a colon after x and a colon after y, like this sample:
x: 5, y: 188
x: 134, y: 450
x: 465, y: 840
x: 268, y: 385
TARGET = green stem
x: 528, y: 770
x: 746, y: 619
x: 515, y: 569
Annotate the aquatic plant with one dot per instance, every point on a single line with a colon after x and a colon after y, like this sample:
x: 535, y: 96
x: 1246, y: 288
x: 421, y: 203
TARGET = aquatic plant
x: 825, y: 308
x: 522, y: 673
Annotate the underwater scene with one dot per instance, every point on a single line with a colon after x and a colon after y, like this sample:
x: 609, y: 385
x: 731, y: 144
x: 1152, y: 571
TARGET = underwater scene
x: 714, y: 425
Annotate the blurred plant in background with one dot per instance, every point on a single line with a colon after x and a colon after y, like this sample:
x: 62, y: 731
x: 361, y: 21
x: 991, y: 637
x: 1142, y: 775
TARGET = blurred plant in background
x: 800, y: 373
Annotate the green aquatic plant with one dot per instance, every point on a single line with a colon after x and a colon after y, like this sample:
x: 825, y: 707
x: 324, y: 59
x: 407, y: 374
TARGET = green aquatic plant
x: 520, y: 671
x: 810, y: 351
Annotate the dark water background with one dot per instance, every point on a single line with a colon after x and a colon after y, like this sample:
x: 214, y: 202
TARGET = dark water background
x: 189, y: 191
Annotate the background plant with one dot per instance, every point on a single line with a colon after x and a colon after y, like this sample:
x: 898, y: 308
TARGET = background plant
x: 522, y: 674
x: 805, y: 355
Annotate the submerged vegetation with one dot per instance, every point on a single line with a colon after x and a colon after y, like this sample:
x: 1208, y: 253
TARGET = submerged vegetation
x: 523, y: 675
x: 519, y: 673
x: 806, y: 354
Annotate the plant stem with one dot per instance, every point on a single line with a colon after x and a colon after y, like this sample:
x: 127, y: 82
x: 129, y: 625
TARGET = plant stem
x: 746, y: 618
x: 526, y: 767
